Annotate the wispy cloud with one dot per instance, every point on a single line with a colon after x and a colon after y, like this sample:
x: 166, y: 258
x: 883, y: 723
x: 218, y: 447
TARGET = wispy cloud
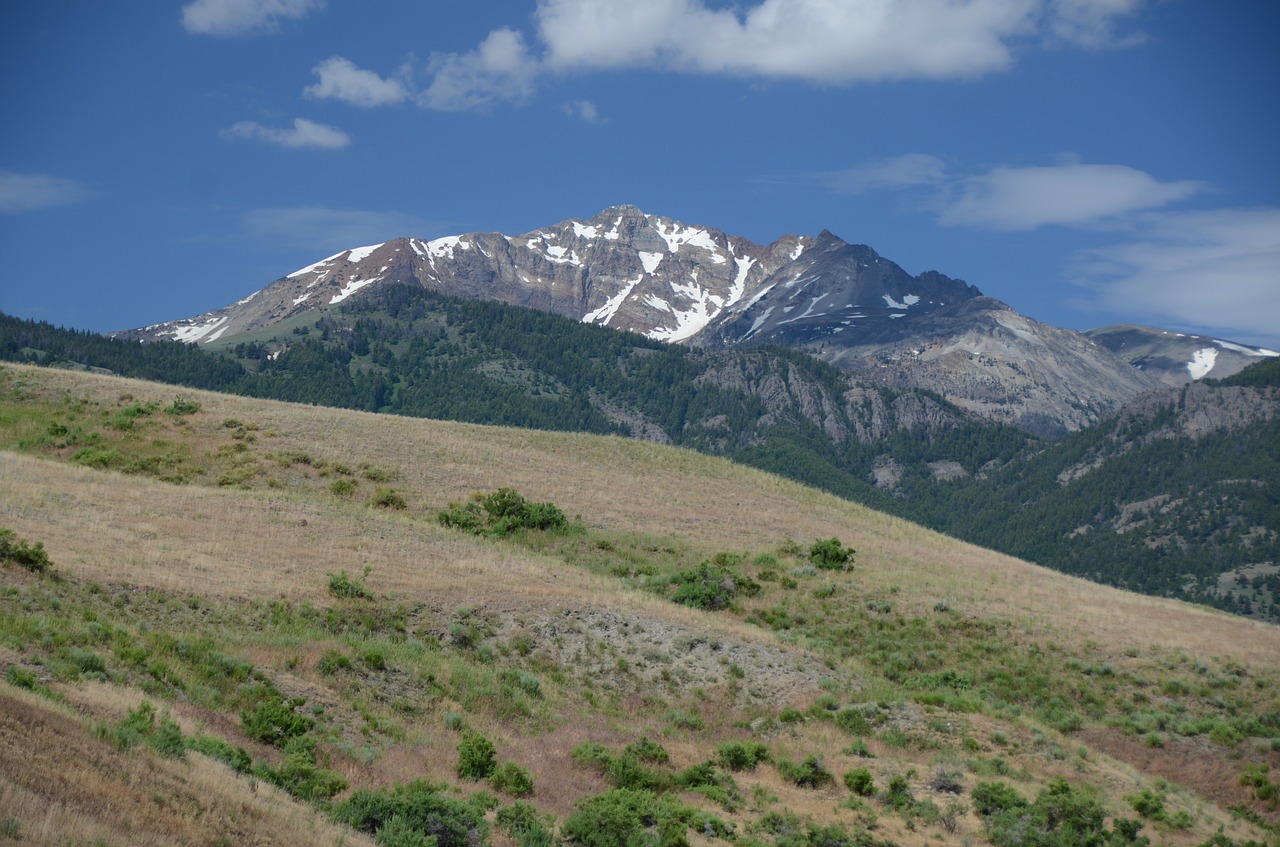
x: 1008, y: 198
x: 243, y: 17
x: 818, y: 41
x: 324, y: 229
x: 1069, y: 194
x: 1212, y: 270
x: 32, y: 192
x: 340, y: 79
x: 304, y: 134
x: 583, y: 110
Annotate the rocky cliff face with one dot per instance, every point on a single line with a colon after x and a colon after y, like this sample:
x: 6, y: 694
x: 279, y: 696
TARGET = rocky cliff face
x: 687, y: 284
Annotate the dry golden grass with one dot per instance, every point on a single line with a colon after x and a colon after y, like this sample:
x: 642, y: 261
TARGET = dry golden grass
x: 280, y: 543
x: 62, y: 785
x: 229, y: 545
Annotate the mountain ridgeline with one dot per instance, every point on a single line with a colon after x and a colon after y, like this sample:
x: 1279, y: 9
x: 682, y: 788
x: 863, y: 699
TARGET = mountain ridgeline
x: 698, y: 286
x: 1175, y: 495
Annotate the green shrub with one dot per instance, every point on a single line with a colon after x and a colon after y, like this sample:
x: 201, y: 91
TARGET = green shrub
x: 1147, y: 803
x: 215, y: 748
x: 860, y: 782
x: 742, y: 755
x: 1061, y: 816
x: 342, y: 584
x: 422, y: 808
x: 389, y: 498
x: 301, y: 774
x: 647, y: 750
x: 32, y: 557
x: 332, y: 661
x: 343, y: 487
x: 512, y: 779
x: 501, y: 513
x: 831, y: 555
x: 182, y: 406
x: 21, y: 678
x: 810, y: 773
x: 990, y: 798
x: 274, y: 720
x: 636, y: 818
x: 853, y: 720
x: 476, y: 756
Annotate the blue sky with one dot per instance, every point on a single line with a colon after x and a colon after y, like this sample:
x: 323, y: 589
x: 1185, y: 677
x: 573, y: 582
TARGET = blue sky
x: 1086, y: 161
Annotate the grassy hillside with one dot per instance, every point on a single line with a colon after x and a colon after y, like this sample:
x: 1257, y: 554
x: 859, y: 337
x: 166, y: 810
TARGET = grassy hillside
x: 227, y: 620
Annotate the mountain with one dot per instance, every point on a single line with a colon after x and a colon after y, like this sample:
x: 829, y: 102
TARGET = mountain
x: 1177, y: 494
x: 1176, y: 358
x: 696, y: 285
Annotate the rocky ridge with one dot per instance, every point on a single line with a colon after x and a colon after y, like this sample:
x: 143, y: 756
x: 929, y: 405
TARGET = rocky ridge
x: 652, y: 275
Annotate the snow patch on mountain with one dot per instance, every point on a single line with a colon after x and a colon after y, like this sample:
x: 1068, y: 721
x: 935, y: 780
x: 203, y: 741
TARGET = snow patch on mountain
x: 359, y: 254
x: 351, y: 288
x: 1248, y: 351
x: 192, y: 334
x: 680, y: 236
x: 650, y: 261
x: 907, y: 301
x: 585, y: 231
x: 317, y: 267
x: 610, y: 308
x: 1202, y: 362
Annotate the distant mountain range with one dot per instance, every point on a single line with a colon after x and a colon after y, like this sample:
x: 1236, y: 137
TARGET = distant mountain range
x: 839, y: 302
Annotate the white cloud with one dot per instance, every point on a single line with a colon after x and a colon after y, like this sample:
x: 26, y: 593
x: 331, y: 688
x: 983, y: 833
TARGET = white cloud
x: 303, y: 134
x: 323, y: 229
x: 242, y: 17
x: 583, y: 110
x: 500, y: 69
x: 1211, y: 270
x: 1069, y: 194
x: 32, y: 192
x: 340, y: 79
x: 821, y: 41
x: 833, y: 41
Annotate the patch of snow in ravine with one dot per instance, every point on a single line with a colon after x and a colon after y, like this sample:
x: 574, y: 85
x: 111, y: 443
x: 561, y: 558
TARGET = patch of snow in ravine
x: 584, y: 231
x: 655, y: 302
x: 907, y: 302
x: 612, y: 235
x: 759, y: 322
x: 191, y: 334
x: 557, y: 255
x: 298, y: 300
x: 650, y: 261
x: 247, y: 299
x: 351, y: 288
x: 704, y: 306
x: 1202, y: 362
x: 740, y: 281
x: 610, y: 308
x: 800, y: 248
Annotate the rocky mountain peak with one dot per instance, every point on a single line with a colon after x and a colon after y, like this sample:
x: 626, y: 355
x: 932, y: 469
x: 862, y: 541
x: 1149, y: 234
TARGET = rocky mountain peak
x: 631, y: 270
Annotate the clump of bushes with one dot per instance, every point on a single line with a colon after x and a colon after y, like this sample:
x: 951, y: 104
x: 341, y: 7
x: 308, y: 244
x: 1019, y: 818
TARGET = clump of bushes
x: 477, y: 757
x: 30, y: 556
x: 417, y: 813
x: 712, y: 585
x: 501, y: 513
x: 831, y: 555
x: 342, y: 584
x: 742, y: 755
x: 1060, y: 815
x: 810, y: 773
